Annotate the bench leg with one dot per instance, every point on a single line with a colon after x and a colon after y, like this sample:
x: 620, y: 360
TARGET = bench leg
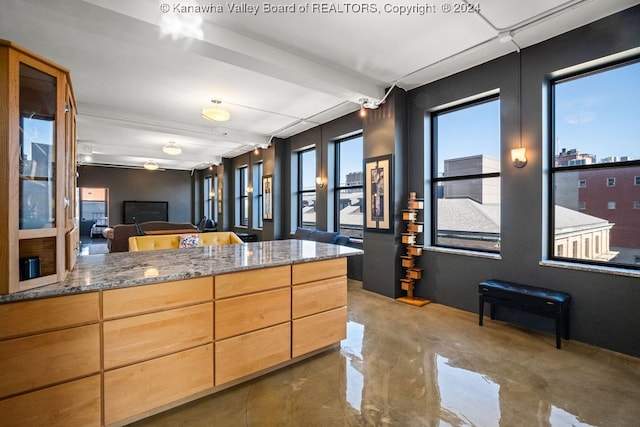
x: 493, y: 310
x: 559, y: 328
x: 481, y: 310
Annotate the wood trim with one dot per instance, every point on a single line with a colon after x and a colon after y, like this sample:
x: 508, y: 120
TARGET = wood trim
x: 144, y: 386
x: 44, y: 359
x: 76, y: 403
x: 249, y: 353
x: 318, y: 270
x: 247, y: 313
x: 320, y: 330
x: 28, y: 317
x: 155, y: 297
x: 133, y: 339
x: 315, y: 297
x: 245, y: 282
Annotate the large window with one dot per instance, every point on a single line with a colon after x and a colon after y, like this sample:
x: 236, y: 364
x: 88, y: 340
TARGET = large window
x: 466, y: 176
x: 594, y: 166
x: 349, y: 194
x: 307, y: 188
x: 258, y: 192
x: 243, y: 196
x: 208, y: 196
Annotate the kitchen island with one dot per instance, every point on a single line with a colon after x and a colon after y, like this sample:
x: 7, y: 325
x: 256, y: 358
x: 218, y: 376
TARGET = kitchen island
x: 127, y: 335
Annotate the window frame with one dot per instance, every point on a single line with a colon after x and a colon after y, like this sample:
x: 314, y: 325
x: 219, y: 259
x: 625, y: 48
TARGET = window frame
x: 243, y: 196
x: 258, y: 173
x: 436, y: 180
x: 553, y: 169
x: 207, y: 189
x: 300, y: 190
x: 338, y: 188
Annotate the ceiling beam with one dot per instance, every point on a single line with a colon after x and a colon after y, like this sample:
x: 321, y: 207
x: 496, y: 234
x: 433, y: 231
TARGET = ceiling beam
x: 227, y: 46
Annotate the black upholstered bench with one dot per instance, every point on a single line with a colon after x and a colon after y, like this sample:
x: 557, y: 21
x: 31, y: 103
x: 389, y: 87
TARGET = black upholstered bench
x: 545, y: 302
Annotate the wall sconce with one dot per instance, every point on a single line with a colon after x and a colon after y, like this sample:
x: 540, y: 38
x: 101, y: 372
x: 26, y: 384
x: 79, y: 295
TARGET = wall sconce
x: 319, y: 181
x: 519, y: 157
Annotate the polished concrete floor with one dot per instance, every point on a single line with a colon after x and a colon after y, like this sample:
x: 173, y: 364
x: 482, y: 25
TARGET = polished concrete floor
x: 430, y: 366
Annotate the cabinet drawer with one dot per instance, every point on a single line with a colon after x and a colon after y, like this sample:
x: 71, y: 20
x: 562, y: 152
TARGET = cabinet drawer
x: 315, y: 297
x: 28, y: 317
x: 137, y: 338
x: 144, y: 386
x: 246, y: 282
x: 318, y: 331
x: 159, y: 296
x: 76, y: 403
x: 40, y: 360
x: 312, y: 271
x: 238, y: 315
x: 250, y: 353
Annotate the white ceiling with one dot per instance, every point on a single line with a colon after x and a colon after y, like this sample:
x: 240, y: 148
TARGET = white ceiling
x: 139, y: 86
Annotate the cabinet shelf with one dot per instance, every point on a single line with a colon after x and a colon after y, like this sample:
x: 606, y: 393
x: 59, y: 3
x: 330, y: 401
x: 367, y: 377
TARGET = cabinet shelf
x: 40, y: 169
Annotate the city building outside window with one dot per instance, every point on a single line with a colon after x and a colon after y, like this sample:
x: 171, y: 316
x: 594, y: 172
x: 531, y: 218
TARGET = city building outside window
x: 466, y: 176
x: 349, y: 201
x: 307, y: 188
x: 243, y: 196
x: 594, y: 138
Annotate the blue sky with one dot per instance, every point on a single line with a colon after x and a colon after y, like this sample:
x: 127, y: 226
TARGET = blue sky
x: 598, y: 114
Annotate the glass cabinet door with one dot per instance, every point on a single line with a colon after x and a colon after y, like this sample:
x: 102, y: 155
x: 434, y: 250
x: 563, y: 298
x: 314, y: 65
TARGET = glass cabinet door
x: 37, y: 149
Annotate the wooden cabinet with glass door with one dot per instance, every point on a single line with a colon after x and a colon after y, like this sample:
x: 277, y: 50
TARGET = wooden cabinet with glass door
x: 37, y: 177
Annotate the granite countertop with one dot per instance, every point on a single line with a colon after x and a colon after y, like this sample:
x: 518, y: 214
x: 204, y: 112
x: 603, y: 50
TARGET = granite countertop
x: 123, y: 269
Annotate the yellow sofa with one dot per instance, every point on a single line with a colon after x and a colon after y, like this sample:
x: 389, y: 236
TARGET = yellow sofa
x: 172, y: 241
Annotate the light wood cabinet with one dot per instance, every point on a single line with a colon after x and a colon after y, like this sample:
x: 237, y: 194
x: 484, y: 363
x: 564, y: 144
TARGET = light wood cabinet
x: 158, y: 345
x: 246, y: 282
x: 249, y: 353
x: 318, y: 270
x: 318, y: 305
x: 29, y: 317
x: 37, y: 199
x: 76, y: 403
x: 155, y: 297
x: 115, y: 356
x: 50, y: 361
x: 247, y: 313
x: 48, y: 358
x: 145, y: 386
x: 319, y: 330
x: 315, y: 297
x: 252, y: 322
x: 133, y: 339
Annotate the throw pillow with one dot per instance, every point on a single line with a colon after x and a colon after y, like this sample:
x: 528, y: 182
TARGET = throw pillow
x: 189, y: 241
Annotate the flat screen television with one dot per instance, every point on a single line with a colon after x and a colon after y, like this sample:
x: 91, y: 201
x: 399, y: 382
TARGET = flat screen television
x: 136, y: 211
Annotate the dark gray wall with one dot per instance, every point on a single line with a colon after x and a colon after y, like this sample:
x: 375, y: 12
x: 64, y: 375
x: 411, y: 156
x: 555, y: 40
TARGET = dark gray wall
x: 605, y: 306
x: 384, y: 132
x: 170, y: 186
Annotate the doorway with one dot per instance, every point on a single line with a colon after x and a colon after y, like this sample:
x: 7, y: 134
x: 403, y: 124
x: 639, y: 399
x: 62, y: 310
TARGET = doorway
x: 94, y: 219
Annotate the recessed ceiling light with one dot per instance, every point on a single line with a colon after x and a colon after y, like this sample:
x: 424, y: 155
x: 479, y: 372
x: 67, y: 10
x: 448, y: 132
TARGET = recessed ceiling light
x: 172, y: 148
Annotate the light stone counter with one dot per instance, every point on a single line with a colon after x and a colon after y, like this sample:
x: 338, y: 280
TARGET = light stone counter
x: 123, y: 269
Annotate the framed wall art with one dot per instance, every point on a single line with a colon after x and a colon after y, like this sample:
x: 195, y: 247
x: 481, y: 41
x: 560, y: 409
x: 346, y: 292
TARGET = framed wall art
x: 377, y: 192
x: 267, y: 197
